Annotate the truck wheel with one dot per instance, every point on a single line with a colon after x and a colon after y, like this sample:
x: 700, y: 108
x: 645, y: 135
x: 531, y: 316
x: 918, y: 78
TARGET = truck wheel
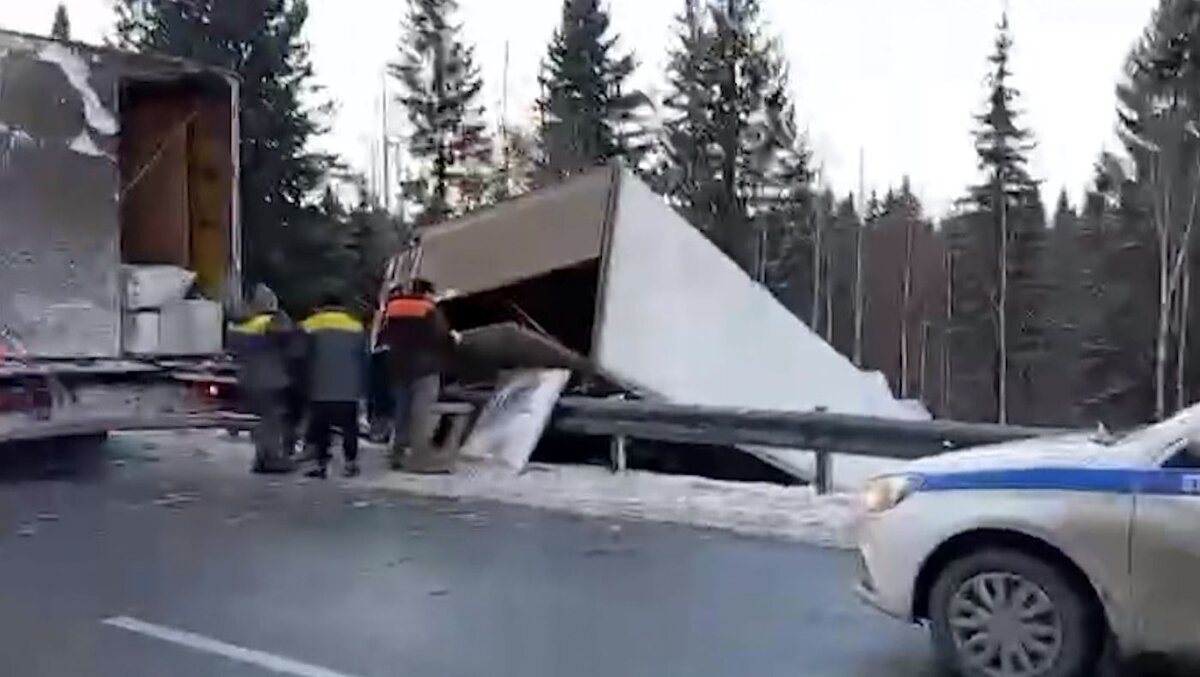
x: 1003, y: 613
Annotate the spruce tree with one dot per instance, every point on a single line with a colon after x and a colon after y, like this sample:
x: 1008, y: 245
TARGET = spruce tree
x: 589, y: 111
x: 441, y: 89
x: 62, y: 24
x: 736, y: 165
x: 1004, y: 246
x: 262, y: 41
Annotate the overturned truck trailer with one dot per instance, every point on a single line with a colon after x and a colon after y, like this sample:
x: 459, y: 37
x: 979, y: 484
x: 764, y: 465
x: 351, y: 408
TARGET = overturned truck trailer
x: 616, y: 278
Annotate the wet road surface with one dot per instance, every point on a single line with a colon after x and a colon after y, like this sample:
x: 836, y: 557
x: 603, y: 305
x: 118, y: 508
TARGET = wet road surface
x: 115, y: 565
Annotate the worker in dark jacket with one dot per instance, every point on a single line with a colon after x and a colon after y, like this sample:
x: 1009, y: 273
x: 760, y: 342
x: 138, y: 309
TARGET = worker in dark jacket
x: 420, y: 344
x: 260, y: 343
x: 337, y: 354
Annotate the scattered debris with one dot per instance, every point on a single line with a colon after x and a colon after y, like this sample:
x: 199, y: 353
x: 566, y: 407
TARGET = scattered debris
x: 243, y: 517
x: 173, y: 500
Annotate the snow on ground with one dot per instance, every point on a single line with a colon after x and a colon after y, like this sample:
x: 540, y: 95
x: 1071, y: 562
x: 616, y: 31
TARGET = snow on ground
x: 849, y: 472
x: 792, y: 513
x: 757, y: 509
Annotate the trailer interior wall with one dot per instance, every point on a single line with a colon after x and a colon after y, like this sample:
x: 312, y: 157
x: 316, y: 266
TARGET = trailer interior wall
x: 62, y: 151
x: 177, y: 176
x: 682, y: 321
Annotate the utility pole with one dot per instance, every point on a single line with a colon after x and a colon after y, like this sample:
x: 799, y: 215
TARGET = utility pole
x: 385, y: 190
x: 815, y: 323
x: 1002, y: 310
x: 859, y: 297
x: 906, y: 304
x: 505, y: 150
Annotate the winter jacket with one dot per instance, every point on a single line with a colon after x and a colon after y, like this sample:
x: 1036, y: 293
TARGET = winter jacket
x: 261, y: 346
x: 337, y: 356
x: 417, y: 335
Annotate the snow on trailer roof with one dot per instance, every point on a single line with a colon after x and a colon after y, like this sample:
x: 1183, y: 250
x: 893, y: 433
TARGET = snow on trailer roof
x: 147, y: 62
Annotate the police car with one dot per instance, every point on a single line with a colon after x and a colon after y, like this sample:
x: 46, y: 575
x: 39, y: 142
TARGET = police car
x: 1025, y: 558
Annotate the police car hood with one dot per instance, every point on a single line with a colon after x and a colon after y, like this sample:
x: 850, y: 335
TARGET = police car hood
x: 1060, y: 451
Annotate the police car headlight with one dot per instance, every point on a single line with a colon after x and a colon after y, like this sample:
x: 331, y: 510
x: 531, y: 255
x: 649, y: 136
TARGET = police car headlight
x: 884, y: 493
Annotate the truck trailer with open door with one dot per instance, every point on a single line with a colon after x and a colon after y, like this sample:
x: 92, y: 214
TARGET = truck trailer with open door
x: 118, y: 183
x: 600, y: 275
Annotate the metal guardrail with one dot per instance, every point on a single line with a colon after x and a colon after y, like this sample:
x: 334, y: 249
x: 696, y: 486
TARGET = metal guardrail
x: 822, y: 432
x: 863, y: 435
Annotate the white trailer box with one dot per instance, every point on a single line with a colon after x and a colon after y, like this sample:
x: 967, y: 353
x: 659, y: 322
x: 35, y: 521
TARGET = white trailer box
x: 607, y: 268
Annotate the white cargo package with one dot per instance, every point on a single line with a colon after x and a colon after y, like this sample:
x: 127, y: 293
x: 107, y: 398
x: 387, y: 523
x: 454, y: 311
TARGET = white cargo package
x: 155, y: 286
x: 190, y: 327
x: 512, y: 422
x: 139, y: 333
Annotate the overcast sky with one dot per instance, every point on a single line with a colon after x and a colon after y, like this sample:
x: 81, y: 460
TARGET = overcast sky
x: 900, y: 79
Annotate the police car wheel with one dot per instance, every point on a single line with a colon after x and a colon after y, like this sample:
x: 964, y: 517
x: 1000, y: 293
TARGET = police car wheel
x: 1004, y: 613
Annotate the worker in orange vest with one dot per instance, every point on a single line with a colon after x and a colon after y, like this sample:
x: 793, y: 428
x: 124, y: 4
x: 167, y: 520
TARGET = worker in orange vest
x: 420, y: 344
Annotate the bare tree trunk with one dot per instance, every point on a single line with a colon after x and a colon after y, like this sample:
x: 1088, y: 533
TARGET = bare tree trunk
x: 1002, y: 312
x: 815, y: 323
x: 949, y: 318
x: 1181, y: 349
x: 906, y: 309
x: 1162, y: 219
x: 859, y: 297
x: 828, y: 299
x: 921, y: 382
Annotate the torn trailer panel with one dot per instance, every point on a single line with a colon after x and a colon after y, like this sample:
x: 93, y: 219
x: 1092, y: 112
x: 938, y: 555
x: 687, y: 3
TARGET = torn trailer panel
x: 602, y: 265
x: 108, y: 158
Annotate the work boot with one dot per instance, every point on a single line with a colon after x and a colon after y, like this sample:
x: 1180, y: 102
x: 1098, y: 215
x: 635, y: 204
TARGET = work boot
x: 351, y: 469
x: 396, y: 460
x: 317, y: 472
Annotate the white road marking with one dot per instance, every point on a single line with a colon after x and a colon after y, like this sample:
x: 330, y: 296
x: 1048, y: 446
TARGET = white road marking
x: 262, y: 659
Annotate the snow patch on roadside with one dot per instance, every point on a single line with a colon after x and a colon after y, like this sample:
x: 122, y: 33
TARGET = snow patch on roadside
x: 755, y: 509
x: 791, y: 513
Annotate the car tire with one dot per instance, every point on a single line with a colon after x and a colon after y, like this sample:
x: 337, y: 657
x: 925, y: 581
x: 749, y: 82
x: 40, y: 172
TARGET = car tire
x: 1062, y: 639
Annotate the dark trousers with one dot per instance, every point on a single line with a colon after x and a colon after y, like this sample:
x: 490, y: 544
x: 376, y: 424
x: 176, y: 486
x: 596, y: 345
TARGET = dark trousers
x: 323, y: 418
x: 269, y: 434
x: 414, y: 420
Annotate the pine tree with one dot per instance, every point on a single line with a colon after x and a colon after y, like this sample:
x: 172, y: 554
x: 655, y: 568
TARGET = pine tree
x: 1004, y: 247
x: 62, y: 24
x: 262, y: 41
x: 736, y: 165
x: 590, y: 113
x: 441, y: 88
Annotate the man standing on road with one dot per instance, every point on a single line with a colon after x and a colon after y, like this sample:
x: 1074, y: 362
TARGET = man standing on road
x: 261, y: 344
x: 337, y: 353
x: 420, y: 343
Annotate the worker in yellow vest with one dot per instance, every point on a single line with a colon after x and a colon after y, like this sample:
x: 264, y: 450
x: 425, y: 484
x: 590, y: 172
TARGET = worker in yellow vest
x: 336, y: 379
x: 261, y: 343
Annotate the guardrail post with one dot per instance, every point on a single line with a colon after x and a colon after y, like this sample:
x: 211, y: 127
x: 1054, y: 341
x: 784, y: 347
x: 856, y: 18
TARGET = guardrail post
x: 617, y: 453
x: 823, y: 479
x: 823, y: 471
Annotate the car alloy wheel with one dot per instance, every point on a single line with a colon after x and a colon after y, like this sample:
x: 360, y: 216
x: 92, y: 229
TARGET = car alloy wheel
x: 1005, y: 625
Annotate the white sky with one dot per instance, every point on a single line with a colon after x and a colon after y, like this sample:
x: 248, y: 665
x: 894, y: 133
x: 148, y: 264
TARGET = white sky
x: 900, y: 79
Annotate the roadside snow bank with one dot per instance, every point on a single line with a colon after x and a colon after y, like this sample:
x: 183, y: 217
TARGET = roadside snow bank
x: 756, y: 509
x: 791, y: 513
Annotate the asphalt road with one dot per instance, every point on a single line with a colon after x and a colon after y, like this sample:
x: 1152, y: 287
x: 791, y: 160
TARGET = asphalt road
x: 112, y: 565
